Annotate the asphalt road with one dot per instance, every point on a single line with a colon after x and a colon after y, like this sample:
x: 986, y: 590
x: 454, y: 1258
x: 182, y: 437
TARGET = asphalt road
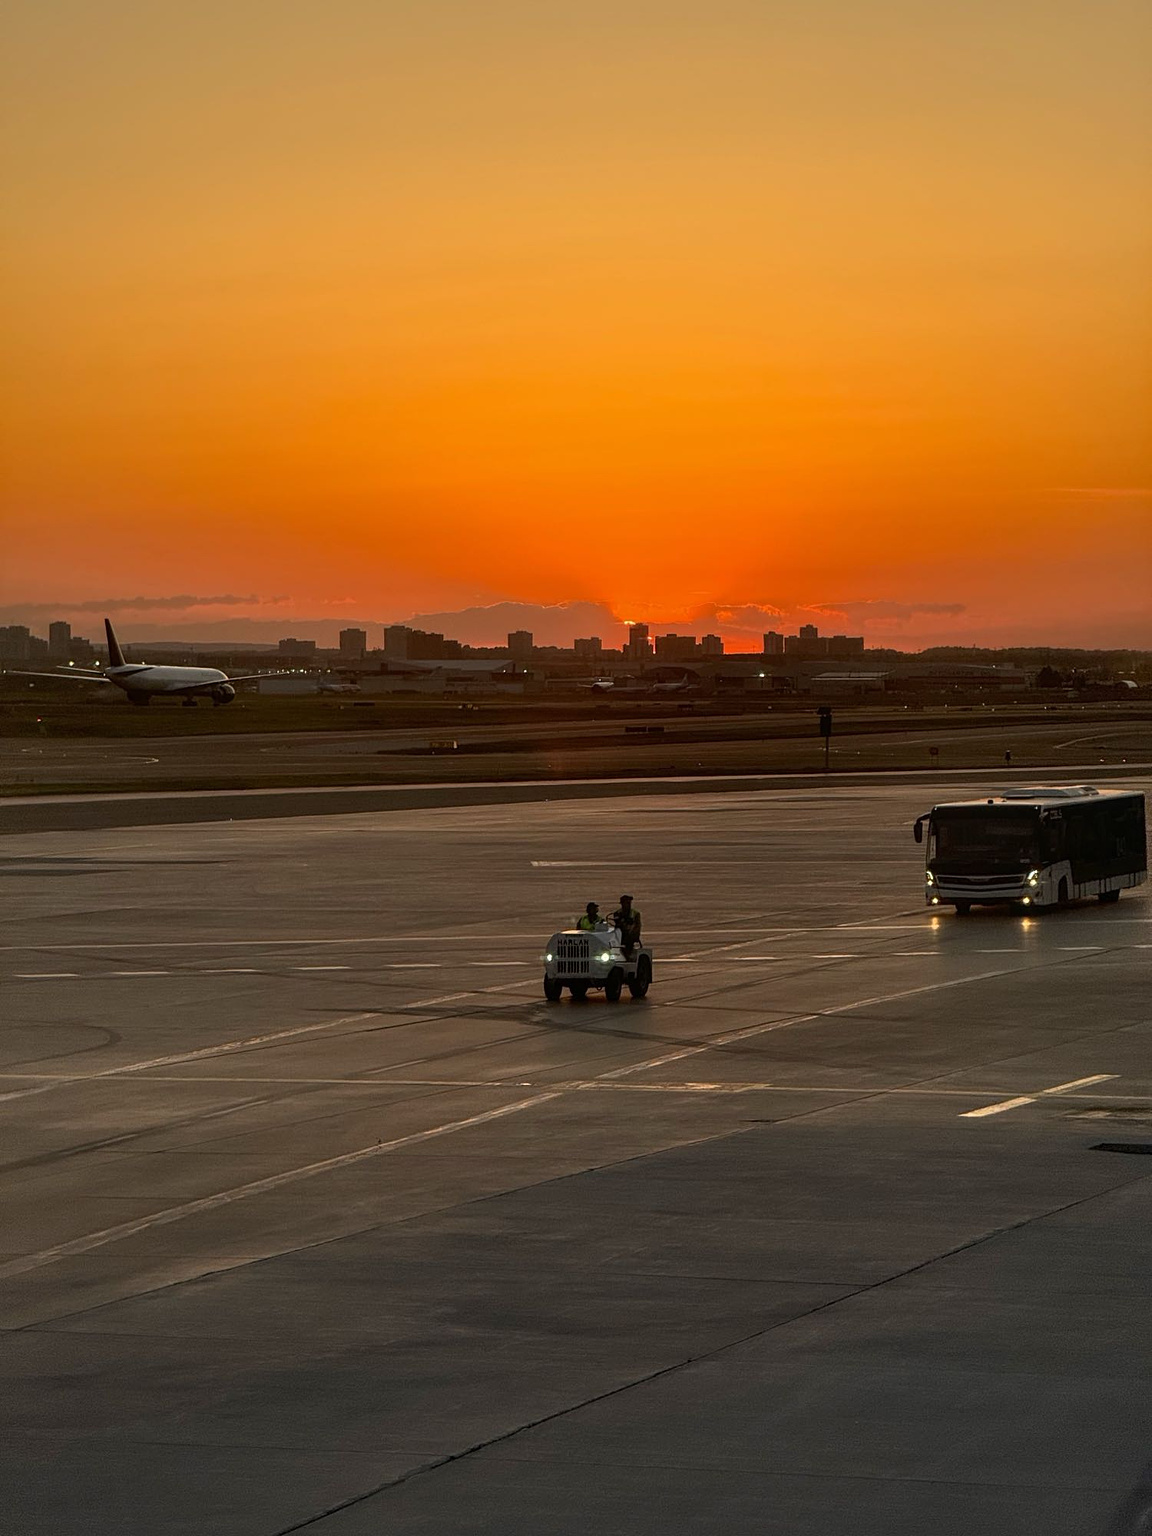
x: 318, y: 1217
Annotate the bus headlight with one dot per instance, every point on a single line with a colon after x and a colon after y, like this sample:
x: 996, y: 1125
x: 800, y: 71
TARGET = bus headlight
x: 1033, y: 877
x: 929, y: 877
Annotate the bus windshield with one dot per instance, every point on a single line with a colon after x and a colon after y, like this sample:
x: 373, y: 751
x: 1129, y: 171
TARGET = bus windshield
x: 985, y: 842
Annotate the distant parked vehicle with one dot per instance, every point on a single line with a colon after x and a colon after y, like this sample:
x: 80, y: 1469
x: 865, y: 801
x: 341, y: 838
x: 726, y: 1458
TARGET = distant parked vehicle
x: 1039, y: 848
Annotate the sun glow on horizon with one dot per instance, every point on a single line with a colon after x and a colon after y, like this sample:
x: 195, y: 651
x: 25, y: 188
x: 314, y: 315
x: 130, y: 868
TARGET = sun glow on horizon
x: 443, y: 305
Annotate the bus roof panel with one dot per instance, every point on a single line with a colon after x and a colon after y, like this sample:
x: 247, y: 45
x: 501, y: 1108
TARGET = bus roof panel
x: 1042, y: 795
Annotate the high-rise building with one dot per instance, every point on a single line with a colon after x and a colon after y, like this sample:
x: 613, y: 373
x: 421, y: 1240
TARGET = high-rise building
x: 711, y: 645
x: 15, y: 643
x: 353, y: 644
x: 676, y: 647
x: 773, y: 643
x: 396, y: 642
x: 809, y: 632
x: 846, y: 645
x: 639, y: 646
x: 59, y: 640
x: 520, y: 643
x: 293, y: 647
x: 588, y: 649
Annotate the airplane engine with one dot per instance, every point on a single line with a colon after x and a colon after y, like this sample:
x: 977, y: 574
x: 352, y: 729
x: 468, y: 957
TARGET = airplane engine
x: 223, y: 694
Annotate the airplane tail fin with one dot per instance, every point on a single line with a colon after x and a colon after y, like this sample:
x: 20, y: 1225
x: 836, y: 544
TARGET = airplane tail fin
x: 115, y: 654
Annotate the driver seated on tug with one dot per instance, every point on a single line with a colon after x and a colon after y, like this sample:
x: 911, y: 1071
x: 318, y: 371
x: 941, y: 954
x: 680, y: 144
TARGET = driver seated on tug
x: 591, y: 919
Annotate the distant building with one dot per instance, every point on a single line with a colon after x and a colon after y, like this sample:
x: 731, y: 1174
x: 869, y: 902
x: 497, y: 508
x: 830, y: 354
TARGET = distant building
x: 520, y: 643
x: 396, y: 642
x: 404, y: 644
x: 59, y: 641
x: 589, y: 649
x: 81, y: 650
x: 846, y: 645
x: 639, y: 646
x: 302, y: 649
x: 353, y: 644
x: 773, y: 643
x: 15, y: 643
x: 809, y: 632
x: 711, y: 645
x: 676, y: 647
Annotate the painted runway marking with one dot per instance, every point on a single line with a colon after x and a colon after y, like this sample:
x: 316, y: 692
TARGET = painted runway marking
x: 1041, y: 1093
x: 997, y: 1109
x: 584, y: 864
x: 41, y: 975
x: 100, y: 1239
x: 1079, y: 1082
x: 254, y: 1042
x: 321, y: 967
x: 139, y: 973
x: 1079, y: 948
x: 94, y: 1240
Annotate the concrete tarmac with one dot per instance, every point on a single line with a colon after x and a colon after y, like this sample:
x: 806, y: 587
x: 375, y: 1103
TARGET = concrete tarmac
x: 318, y: 1217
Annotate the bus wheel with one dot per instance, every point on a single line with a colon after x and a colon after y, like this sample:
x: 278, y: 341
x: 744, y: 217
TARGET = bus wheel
x: 553, y: 987
x: 1106, y: 898
x: 1062, y: 894
x: 963, y: 908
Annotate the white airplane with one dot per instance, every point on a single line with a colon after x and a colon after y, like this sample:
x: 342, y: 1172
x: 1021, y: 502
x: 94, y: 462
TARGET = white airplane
x: 142, y: 683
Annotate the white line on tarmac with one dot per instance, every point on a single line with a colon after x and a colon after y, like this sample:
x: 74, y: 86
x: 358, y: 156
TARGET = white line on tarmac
x: 1079, y: 1082
x: 996, y: 1109
x: 225, y: 1049
x: 100, y: 1239
x: 718, y: 1041
x: 40, y: 975
x: 1030, y: 1098
x: 258, y: 1187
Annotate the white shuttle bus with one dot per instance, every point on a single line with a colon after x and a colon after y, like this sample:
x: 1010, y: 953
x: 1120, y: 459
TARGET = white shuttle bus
x: 1038, y: 848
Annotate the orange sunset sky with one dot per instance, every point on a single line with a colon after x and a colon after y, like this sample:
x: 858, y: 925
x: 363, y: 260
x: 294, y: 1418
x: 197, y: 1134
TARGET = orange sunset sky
x: 363, y: 309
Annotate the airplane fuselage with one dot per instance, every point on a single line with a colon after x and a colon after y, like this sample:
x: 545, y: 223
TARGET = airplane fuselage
x: 143, y: 681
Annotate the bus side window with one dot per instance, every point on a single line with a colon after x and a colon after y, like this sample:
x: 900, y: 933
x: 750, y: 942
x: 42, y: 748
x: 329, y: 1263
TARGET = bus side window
x: 1055, y: 842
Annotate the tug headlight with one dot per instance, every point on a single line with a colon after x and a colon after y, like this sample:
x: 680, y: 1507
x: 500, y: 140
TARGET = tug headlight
x: 606, y: 955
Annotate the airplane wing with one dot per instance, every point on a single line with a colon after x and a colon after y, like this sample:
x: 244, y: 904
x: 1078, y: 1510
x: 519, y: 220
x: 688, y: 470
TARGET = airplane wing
x: 73, y: 676
x: 250, y: 677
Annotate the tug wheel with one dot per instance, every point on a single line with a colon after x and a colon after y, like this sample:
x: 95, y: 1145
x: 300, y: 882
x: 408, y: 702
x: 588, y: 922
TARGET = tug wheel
x: 638, y: 985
